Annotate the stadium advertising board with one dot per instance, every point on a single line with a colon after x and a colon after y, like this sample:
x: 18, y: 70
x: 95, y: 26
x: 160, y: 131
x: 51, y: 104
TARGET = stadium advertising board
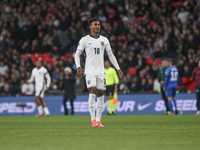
x: 129, y: 104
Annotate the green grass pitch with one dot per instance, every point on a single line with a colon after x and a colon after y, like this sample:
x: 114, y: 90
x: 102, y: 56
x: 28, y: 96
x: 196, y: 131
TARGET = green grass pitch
x: 130, y: 132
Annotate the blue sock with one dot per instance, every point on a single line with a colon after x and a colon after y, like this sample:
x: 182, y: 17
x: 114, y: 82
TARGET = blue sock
x: 174, y: 101
x: 170, y: 106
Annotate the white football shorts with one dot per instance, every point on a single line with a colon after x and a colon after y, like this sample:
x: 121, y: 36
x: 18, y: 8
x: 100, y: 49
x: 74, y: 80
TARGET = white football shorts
x: 39, y: 93
x: 97, y: 81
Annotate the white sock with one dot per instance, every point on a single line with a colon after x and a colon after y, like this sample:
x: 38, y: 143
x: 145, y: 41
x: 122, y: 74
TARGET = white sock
x: 91, y: 102
x: 100, y: 105
x: 46, y: 110
x: 40, y: 110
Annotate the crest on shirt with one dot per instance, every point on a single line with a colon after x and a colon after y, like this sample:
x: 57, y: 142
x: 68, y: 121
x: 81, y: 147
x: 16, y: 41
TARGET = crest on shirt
x: 88, y: 82
x: 102, y: 43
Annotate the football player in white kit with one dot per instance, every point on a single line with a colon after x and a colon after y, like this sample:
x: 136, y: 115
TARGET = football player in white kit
x: 39, y: 73
x: 94, y: 46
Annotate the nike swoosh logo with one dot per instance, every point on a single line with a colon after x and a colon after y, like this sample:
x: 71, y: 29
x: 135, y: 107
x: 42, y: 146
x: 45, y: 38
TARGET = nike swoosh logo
x: 89, y: 43
x: 141, y: 107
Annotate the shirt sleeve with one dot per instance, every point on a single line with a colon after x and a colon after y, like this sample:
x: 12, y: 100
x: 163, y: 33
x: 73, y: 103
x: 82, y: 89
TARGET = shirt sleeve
x: 47, y: 76
x: 166, y: 78
x: 79, y: 50
x: 81, y: 45
x: 107, y: 46
x: 110, y: 55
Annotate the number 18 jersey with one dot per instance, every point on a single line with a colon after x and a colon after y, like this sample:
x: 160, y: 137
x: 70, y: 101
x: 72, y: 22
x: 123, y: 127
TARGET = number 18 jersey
x: 94, y: 53
x: 171, y: 77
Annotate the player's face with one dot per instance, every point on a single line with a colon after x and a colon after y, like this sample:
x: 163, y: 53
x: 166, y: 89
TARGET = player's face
x: 38, y: 64
x: 95, y: 26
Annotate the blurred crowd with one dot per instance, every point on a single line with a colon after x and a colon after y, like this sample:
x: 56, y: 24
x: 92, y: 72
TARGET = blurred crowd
x: 138, y: 30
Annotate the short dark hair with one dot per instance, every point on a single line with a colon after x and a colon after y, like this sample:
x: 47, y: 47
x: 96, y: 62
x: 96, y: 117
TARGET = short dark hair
x: 91, y: 20
x: 171, y: 61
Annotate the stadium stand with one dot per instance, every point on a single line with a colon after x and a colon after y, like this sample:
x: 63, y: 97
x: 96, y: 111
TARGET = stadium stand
x: 50, y: 30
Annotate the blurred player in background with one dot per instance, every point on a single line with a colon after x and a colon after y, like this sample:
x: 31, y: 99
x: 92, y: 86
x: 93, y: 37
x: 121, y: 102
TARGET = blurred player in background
x: 39, y: 73
x: 112, y: 82
x: 161, y: 80
x: 171, y: 85
x: 196, y: 79
x: 94, y: 46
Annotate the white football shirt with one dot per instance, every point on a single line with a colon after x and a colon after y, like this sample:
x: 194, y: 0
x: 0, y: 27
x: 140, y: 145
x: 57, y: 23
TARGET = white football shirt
x: 94, y: 53
x: 39, y: 76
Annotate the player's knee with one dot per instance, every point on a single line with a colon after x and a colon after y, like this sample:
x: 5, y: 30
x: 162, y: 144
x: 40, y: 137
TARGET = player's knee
x: 92, y: 90
x: 100, y: 93
x: 169, y: 98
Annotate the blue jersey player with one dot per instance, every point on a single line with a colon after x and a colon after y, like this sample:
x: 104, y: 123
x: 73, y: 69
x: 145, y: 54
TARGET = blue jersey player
x: 171, y: 84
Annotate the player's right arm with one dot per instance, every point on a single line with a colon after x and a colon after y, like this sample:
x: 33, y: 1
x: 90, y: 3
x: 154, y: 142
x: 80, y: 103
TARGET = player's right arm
x: 32, y: 77
x: 78, y: 53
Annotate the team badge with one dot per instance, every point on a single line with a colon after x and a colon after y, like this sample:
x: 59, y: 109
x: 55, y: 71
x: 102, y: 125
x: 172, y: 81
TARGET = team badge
x: 88, y: 82
x: 102, y: 43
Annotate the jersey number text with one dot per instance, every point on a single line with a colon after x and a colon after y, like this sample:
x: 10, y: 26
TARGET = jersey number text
x: 174, y: 76
x: 97, y: 51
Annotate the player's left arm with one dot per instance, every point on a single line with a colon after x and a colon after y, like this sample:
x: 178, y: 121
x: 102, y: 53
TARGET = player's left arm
x: 113, y: 59
x: 116, y: 79
x: 47, y: 76
x: 114, y: 62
